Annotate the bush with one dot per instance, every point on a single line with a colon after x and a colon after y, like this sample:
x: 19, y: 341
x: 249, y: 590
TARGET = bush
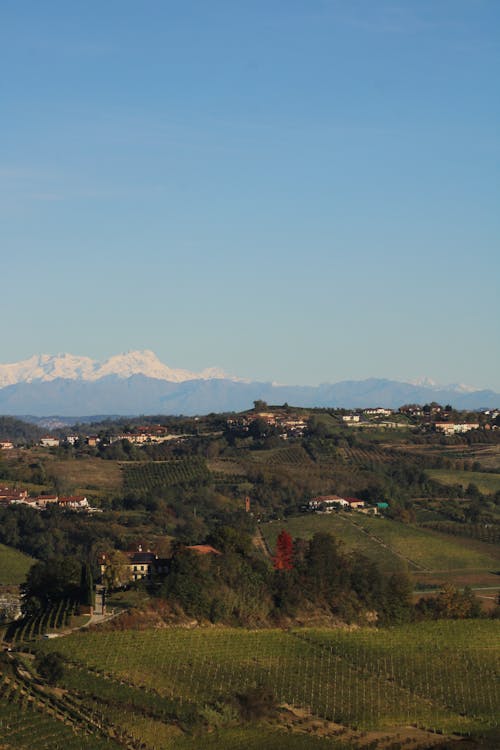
x: 256, y: 703
x: 50, y: 667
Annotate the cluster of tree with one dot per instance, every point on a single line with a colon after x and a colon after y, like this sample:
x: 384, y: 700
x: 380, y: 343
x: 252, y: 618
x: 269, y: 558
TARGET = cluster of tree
x: 240, y: 588
x: 450, y: 603
x: 58, y: 578
x: 19, y: 431
x: 57, y: 532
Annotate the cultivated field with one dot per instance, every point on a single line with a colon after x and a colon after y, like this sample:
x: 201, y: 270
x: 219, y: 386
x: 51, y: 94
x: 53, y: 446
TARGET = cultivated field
x: 440, y: 676
x: 87, y: 474
x: 390, y: 543
x: 485, y: 482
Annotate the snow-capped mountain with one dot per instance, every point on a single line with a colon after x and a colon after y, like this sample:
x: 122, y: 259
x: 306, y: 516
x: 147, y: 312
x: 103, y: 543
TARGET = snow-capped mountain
x: 139, y: 383
x: 46, y: 367
x: 426, y: 382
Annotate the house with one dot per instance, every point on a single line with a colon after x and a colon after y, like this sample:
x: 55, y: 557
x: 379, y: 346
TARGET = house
x: 74, y: 502
x: 203, y: 549
x: 354, y: 503
x: 141, y: 564
x: 6, y: 445
x: 326, y: 503
x: 377, y: 412
x: 10, y: 496
x: 451, y: 428
x: 43, y: 500
x: 351, y: 418
x: 49, y: 442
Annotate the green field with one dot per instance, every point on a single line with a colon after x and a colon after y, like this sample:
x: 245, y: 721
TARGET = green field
x: 14, y: 566
x: 484, y: 481
x: 391, y: 543
x: 367, y: 678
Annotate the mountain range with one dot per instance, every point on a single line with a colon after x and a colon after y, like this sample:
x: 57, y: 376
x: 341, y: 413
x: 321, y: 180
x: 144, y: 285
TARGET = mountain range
x: 139, y: 383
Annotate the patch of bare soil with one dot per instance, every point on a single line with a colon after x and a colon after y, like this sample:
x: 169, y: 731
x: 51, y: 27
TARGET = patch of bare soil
x: 302, y: 721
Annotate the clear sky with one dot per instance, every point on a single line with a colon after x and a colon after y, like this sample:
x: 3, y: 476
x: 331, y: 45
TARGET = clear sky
x: 294, y: 190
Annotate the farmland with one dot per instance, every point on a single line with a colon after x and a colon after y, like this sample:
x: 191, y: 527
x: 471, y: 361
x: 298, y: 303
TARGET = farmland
x: 157, y: 474
x: 367, y: 679
x: 390, y: 543
x: 484, y: 481
x: 14, y: 566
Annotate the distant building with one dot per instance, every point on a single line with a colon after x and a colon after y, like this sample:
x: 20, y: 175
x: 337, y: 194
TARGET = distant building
x: 49, y: 442
x: 203, y: 549
x: 350, y: 418
x: 355, y: 503
x: 141, y: 564
x: 452, y: 428
x: 74, y: 502
x: 43, y: 500
x: 326, y: 503
x: 6, y: 445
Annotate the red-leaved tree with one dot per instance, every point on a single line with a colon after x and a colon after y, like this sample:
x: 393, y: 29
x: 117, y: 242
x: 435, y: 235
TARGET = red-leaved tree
x: 283, y: 559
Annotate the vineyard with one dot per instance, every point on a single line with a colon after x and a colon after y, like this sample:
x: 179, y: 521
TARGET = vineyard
x: 366, y: 678
x: 389, y: 542
x: 294, y: 455
x: 30, y: 718
x: 369, y: 456
x: 483, y: 532
x: 30, y: 628
x: 151, y: 475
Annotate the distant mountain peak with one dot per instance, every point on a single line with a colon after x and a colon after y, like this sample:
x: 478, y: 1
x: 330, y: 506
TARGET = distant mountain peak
x: 47, y: 367
x: 425, y: 382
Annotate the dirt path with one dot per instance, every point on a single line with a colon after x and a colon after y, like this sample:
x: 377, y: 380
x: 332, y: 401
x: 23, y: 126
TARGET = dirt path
x: 261, y: 544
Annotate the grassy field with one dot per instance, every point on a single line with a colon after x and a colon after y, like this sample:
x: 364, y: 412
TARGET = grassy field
x: 487, y: 483
x: 14, y: 566
x: 367, y: 679
x: 390, y: 543
x: 87, y: 475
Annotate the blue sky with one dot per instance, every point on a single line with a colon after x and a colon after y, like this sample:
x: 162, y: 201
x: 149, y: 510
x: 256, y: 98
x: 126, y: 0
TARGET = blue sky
x: 294, y: 190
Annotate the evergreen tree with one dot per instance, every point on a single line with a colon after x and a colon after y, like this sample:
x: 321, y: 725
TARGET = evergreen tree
x: 87, y: 596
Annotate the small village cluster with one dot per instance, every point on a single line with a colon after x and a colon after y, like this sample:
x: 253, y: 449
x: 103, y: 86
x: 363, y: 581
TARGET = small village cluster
x: 11, y: 496
x: 286, y: 424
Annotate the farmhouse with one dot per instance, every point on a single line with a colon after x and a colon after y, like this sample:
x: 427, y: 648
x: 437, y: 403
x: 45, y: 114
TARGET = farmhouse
x: 43, y: 500
x: 6, y: 445
x: 49, y: 442
x: 74, y: 502
x: 354, y: 503
x: 452, y: 428
x: 326, y: 503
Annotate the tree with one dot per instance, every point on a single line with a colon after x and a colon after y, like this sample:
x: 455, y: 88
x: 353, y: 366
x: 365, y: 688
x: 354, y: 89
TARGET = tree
x: 117, y: 572
x: 283, y: 559
x: 50, y: 581
x: 87, y: 586
x: 259, y: 405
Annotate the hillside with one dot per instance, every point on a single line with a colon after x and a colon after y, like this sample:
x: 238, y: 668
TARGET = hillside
x: 355, y: 687
x: 14, y: 566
